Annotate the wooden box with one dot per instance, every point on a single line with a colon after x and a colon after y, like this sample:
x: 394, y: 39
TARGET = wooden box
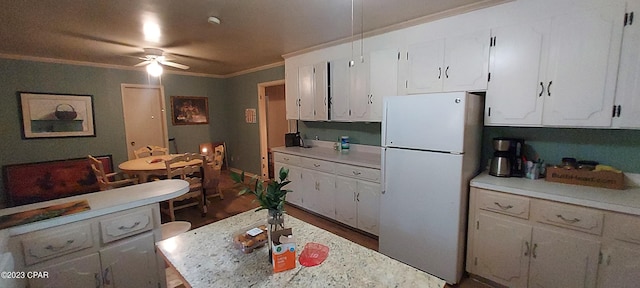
x: 604, y: 179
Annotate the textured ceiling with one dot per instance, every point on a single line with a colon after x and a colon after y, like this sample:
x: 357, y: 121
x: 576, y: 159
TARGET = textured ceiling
x: 253, y: 33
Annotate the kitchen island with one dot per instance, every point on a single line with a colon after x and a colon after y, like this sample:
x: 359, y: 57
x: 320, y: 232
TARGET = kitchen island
x: 206, y: 257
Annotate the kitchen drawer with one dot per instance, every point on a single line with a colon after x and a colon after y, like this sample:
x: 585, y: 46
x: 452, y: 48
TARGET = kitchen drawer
x: 286, y: 159
x: 126, y: 225
x: 363, y: 173
x: 56, y: 242
x: 623, y: 227
x: 504, y: 203
x: 569, y: 216
x: 319, y: 165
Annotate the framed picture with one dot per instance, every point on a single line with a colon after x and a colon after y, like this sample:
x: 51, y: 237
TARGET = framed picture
x: 56, y: 115
x: 187, y: 110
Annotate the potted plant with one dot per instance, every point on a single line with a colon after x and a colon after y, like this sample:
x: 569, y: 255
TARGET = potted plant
x: 270, y: 194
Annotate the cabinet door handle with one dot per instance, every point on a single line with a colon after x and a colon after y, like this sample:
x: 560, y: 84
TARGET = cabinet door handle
x: 358, y: 197
x: 439, y: 72
x: 130, y: 227
x: 96, y: 277
x: 533, y: 252
x: 354, y: 196
x: 549, y: 88
x: 526, y: 252
x: 105, y: 276
x: 446, y: 72
x: 502, y: 206
x: 58, y: 248
x: 570, y: 221
x: 542, y: 91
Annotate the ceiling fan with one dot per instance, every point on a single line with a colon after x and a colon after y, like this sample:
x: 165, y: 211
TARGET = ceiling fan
x: 154, y: 57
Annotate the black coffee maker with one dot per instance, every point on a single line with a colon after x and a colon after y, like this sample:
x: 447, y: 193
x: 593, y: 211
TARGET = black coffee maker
x: 507, y: 157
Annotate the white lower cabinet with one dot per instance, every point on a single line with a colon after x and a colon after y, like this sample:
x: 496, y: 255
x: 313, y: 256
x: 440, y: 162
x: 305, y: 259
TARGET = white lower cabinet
x: 115, y: 250
x: 357, y: 203
x: 77, y: 273
x: 346, y: 193
x: 516, y: 249
x: 620, y: 251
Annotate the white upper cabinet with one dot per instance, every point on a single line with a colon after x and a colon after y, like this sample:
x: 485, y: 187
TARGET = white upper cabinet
x: 627, y: 104
x: 340, y: 87
x: 514, y: 94
x: 291, y: 89
x: 372, y: 79
x: 582, y: 68
x: 458, y: 63
x: 557, y: 72
x: 306, y: 87
x: 306, y: 92
x: 320, y: 91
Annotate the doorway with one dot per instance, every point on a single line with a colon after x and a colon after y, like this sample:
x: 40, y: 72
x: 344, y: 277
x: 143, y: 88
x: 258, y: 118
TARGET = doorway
x: 273, y: 122
x: 145, y: 119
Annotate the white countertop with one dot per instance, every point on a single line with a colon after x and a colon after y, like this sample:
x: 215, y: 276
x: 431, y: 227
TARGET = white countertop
x: 358, y: 155
x: 205, y: 257
x: 102, y: 203
x: 624, y: 201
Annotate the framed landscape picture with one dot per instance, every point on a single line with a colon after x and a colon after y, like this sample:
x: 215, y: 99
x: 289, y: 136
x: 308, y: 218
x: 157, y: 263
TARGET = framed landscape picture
x: 187, y: 110
x: 46, y: 115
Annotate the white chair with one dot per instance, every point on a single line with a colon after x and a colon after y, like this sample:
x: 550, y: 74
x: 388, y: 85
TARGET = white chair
x: 108, y: 181
x: 150, y: 151
x: 212, y: 170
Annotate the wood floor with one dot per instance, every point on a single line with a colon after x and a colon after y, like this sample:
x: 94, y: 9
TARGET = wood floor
x: 233, y: 204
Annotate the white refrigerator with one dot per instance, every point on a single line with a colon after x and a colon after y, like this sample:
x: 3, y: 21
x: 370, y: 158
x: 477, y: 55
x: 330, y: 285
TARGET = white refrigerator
x: 430, y: 152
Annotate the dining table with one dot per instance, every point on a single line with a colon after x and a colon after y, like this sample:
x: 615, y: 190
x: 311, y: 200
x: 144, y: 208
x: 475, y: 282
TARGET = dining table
x: 144, y: 167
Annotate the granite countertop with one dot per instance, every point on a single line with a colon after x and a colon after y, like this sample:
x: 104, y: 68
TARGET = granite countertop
x: 358, y: 155
x: 623, y: 201
x: 102, y: 203
x: 205, y: 257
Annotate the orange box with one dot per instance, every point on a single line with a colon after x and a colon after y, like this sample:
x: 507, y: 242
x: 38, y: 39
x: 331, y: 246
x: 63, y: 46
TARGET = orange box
x: 604, y: 179
x: 283, y: 250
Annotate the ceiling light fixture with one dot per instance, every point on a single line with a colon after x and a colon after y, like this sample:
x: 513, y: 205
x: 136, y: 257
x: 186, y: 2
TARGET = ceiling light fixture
x: 213, y: 20
x: 154, y: 69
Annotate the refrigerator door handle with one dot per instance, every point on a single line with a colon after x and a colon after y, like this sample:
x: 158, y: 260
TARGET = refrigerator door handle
x: 383, y: 155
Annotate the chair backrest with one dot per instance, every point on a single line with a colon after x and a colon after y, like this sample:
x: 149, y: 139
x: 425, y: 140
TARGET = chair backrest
x: 98, y: 170
x: 150, y: 151
x: 218, y: 157
x: 190, y: 172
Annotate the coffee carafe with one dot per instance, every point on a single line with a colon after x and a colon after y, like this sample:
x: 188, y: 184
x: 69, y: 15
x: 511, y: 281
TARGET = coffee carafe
x: 501, y: 162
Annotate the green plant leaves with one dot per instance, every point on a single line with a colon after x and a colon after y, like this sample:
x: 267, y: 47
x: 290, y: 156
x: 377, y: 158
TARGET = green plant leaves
x: 272, y: 196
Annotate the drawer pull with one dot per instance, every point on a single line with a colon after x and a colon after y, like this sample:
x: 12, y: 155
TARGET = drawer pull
x: 316, y: 165
x: 356, y: 173
x: 58, y: 248
x: 502, y: 206
x: 286, y: 159
x: 130, y: 227
x: 570, y: 221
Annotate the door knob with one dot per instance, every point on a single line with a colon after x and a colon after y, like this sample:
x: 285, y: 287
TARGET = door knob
x: 133, y: 143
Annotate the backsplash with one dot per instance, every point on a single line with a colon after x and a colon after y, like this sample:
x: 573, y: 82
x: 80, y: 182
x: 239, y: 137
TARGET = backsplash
x: 617, y: 148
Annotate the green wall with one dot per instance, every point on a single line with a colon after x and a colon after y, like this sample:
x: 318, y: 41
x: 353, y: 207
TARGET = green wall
x: 358, y: 132
x: 105, y: 86
x: 243, y: 146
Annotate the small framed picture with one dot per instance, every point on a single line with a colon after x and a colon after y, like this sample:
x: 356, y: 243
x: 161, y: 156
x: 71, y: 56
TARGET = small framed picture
x: 47, y: 115
x: 187, y: 110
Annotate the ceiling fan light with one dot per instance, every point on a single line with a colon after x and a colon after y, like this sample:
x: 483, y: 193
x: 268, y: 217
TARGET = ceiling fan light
x: 154, y: 69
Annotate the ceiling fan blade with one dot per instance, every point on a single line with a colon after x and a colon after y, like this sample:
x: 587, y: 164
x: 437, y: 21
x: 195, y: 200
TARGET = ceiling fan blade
x: 96, y: 38
x: 143, y: 63
x: 175, y: 65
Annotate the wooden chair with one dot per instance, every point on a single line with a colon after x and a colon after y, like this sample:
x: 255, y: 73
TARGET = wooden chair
x: 212, y: 173
x: 109, y: 181
x: 190, y: 174
x: 150, y: 151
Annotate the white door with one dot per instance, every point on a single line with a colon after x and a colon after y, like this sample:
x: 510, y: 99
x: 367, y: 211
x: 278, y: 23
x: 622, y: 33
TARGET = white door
x: 345, y: 201
x: 131, y: 263
x: 501, y: 250
x: 359, y: 96
x: 291, y: 86
x: 320, y: 88
x: 340, y: 88
x: 425, y: 67
x: 80, y: 272
x: 562, y: 260
x: 368, y: 199
x: 326, y: 187
x: 583, y: 64
x: 305, y: 92
x: 627, y: 100
x: 421, y: 209
x: 383, y: 79
x: 620, y: 266
x: 515, y: 93
x: 309, y: 190
x: 466, y: 62
x: 144, y: 117
x: 440, y: 129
